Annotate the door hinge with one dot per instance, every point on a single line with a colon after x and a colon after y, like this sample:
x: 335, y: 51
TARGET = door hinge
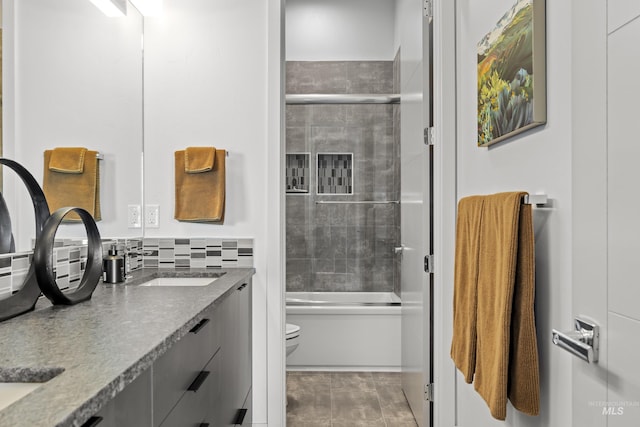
x: 427, y: 6
x: 428, y: 136
x: 428, y: 392
x: 428, y: 263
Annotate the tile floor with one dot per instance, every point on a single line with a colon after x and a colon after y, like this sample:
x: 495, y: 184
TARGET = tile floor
x: 347, y: 399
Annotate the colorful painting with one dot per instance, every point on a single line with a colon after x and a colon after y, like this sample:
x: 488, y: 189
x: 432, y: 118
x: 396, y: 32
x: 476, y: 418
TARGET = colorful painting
x: 511, y: 74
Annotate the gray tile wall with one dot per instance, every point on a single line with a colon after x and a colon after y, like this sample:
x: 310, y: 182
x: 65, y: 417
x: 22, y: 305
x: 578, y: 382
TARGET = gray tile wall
x: 344, y: 247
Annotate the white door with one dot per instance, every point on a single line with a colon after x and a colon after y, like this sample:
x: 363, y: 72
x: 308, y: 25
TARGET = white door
x: 607, y: 227
x: 416, y: 226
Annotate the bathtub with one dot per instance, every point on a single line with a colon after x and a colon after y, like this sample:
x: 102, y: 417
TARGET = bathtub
x: 358, y: 331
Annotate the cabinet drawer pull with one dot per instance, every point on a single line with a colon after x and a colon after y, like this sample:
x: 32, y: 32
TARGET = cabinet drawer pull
x: 195, y: 385
x: 92, y: 422
x: 244, y: 285
x: 199, y: 326
x: 240, y: 416
x: 204, y: 425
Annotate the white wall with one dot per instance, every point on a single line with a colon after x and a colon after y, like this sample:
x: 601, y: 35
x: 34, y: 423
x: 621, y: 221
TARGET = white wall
x: 537, y: 161
x: 206, y: 84
x: 340, y: 30
x: 77, y: 83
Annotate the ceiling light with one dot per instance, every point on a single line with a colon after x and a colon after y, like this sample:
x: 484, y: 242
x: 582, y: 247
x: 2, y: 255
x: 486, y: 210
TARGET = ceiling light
x: 111, y: 8
x: 148, y: 7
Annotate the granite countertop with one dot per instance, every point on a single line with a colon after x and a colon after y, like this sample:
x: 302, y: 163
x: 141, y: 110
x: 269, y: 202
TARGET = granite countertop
x: 99, y: 346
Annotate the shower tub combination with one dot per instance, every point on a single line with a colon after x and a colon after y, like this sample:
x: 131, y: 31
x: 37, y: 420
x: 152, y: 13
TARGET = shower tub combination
x: 356, y: 331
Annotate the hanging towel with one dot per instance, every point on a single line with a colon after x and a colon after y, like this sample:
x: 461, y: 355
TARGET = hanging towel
x: 67, y: 159
x: 506, y: 358
x: 72, y: 178
x: 199, y: 159
x: 524, y: 376
x: 200, y: 196
x: 463, y: 344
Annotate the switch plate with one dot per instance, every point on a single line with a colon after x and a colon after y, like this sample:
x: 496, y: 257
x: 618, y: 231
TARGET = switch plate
x: 134, y: 216
x: 152, y: 219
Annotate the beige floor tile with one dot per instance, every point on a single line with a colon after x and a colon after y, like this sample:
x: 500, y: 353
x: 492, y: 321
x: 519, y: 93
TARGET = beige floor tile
x: 369, y: 423
x: 387, y: 377
x: 352, y: 381
x: 311, y: 403
x: 355, y: 406
x: 347, y: 399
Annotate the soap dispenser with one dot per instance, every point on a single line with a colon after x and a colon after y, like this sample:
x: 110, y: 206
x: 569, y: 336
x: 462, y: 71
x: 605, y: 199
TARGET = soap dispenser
x: 113, y: 267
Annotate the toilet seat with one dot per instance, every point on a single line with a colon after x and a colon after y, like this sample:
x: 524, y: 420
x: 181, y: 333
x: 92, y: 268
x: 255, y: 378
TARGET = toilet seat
x: 292, y: 331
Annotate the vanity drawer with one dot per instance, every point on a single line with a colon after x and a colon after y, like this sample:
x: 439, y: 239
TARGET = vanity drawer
x: 176, y: 370
x: 194, y: 405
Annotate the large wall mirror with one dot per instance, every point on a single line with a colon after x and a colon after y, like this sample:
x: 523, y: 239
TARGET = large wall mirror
x: 72, y: 77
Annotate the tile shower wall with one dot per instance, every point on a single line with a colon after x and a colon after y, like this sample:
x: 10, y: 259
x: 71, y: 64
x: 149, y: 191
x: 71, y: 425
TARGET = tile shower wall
x: 70, y: 258
x: 344, y: 247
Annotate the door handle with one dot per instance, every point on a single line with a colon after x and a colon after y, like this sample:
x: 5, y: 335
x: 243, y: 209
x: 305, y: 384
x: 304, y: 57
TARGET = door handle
x: 398, y: 249
x: 582, y: 341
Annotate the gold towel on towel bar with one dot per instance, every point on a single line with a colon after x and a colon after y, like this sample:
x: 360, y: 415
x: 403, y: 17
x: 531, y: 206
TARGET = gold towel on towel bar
x: 494, y: 340
x: 72, y: 178
x: 200, y: 196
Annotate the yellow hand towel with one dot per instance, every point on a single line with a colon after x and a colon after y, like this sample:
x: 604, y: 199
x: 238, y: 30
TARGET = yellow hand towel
x: 200, y: 197
x: 78, y: 189
x: 199, y: 159
x: 67, y: 159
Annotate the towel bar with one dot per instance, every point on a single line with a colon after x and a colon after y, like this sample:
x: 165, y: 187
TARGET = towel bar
x: 357, y: 202
x: 539, y: 200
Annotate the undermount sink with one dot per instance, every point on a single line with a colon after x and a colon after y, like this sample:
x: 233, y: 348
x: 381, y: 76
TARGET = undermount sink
x: 180, y: 281
x: 18, y: 382
x: 12, y: 392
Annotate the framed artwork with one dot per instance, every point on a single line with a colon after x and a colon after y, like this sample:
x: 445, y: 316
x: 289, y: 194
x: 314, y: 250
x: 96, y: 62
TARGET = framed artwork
x: 512, y: 74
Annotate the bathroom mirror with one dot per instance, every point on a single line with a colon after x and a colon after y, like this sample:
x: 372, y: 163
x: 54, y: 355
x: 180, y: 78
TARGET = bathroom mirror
x: 72, y: 77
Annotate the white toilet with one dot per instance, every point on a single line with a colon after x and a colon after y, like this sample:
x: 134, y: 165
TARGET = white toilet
x: 293, y: 335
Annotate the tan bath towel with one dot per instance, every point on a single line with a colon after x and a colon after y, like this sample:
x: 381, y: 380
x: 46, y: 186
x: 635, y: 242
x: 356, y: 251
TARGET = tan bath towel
x: 465, y: 306
x: 72, y: 178
x: 200, y: 196
x: 506, y: 357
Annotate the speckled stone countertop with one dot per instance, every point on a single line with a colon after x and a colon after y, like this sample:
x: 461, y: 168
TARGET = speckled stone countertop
x: 99, y: 346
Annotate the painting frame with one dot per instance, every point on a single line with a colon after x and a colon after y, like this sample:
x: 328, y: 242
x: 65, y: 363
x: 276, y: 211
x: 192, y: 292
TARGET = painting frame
x: 511, y: 73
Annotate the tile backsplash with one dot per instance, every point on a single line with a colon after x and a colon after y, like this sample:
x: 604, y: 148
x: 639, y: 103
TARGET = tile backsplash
x: 70, y: 258
x: 197, y: 252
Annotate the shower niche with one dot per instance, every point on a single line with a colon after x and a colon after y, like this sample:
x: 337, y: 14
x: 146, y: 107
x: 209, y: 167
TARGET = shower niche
x: 297, y: 173
x: 335, y: 173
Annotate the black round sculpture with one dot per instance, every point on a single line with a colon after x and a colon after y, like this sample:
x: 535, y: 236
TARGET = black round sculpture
x: 44, y: 263
x: 25, y: 299
x: 7, y: 244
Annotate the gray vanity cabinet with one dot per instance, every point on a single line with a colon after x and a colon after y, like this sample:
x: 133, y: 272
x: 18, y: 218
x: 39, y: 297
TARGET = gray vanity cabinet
x: 183, y: 376
x: 235, y: 350
x: 204, y: 379
x: 131, y: 407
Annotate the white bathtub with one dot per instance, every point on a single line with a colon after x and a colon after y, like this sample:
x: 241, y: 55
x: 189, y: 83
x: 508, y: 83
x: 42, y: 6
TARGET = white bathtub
x: 357, y: 331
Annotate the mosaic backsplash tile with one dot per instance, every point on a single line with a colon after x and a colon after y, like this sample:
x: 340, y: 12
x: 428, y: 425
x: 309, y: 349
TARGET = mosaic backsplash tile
x: 197, y: 252
x: 70, y: 258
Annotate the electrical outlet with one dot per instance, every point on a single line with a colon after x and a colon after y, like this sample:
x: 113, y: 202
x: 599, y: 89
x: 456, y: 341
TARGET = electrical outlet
x: 152, y: 219
x: 134, y: 216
